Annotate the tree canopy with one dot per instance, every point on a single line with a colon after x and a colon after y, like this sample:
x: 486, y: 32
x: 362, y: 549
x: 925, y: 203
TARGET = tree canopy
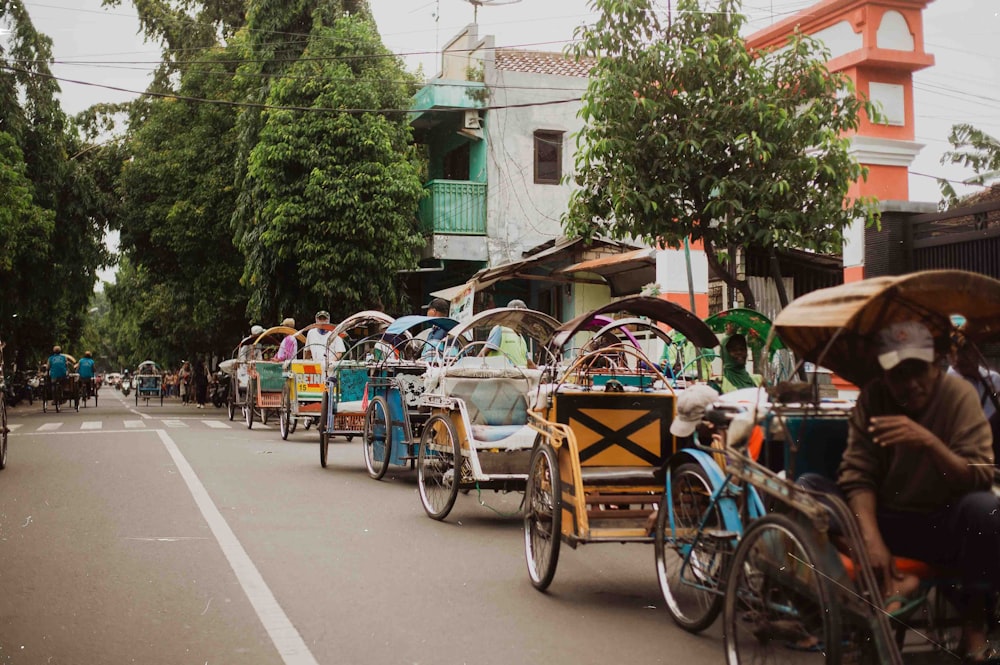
x: 690, y: 134
x: 973, y: 149
x: 52, y: 219
x: 249, y: 190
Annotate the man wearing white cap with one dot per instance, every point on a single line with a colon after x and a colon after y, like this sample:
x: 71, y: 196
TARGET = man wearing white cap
x: 316, y: 342
x: 917, y: 473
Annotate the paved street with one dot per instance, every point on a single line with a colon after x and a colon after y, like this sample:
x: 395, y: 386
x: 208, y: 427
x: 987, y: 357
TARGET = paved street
x: 172, y: 535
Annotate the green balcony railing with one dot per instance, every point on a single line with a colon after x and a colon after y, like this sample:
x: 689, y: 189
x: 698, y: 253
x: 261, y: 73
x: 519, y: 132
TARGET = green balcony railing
x: 454, y: 207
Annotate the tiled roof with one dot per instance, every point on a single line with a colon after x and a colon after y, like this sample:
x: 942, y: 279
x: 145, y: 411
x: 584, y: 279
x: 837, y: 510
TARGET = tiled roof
x: 542, y: 62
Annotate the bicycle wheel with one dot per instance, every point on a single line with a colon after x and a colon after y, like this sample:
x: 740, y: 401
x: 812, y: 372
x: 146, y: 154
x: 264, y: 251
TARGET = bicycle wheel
x: 542, y: 516
x: 439, y: 460
x: 324, y: 447
x: 377, y: 437
x: 779, y: 606
x: 284, y: 414
x: 95, y: 396
x: 248, y: 409
x: 690, y: 563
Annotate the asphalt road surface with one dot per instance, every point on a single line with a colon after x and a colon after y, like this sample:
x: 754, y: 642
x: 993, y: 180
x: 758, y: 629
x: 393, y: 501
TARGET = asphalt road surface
x: 171, y: 535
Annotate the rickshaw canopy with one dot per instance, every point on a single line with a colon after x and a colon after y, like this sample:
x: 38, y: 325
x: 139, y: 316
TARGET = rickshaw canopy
x: 655, y: 309
x: 398, y: 330
x: 365, y: 319
x: 537, y: 325
x: 147, y: 367
x: 276, y: 334
x: 838, y: 327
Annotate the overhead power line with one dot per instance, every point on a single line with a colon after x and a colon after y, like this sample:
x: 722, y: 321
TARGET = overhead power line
x: 270, y: 107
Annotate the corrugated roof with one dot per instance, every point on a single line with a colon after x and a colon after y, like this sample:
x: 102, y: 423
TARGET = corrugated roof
x: 542, y: 62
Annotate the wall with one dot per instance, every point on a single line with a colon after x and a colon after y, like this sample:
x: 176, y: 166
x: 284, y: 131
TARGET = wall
x: 521, y: 214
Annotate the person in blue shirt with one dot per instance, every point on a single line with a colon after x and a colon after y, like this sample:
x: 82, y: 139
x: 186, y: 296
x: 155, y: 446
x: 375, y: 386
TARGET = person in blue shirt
x: 58, y: 371
x: 85, y: 366
x: 56, y: 364
x: 432, y: 340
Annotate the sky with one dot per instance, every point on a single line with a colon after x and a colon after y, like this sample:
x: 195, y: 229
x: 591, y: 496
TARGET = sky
x: 100, y: 46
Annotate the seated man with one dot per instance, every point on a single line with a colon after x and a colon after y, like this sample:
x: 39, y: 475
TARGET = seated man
x: 85, y: 367
x: 734, y: 365
x: 917, y: 474
x: 58, y: 371
x: 504, y: 341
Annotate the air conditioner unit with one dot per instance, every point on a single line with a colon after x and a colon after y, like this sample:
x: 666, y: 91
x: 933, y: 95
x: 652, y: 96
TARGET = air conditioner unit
x: 472, y: 120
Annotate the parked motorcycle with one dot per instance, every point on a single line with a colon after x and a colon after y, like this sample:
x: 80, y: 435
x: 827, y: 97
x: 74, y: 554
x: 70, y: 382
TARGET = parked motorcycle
x: 219, y: 390
x: 17, y: 388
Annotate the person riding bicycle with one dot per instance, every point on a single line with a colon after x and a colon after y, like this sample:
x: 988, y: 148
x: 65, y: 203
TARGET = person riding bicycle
x: 85, y: 367
x: 57, y: 369
x: 917, y: 473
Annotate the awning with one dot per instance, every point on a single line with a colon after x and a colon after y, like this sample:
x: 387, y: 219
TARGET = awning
x: 625, y: 273
x: 539, y: 266
x: 452, y: 292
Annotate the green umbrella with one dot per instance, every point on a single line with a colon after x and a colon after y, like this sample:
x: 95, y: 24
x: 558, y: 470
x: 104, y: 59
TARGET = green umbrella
x: 750, y: 323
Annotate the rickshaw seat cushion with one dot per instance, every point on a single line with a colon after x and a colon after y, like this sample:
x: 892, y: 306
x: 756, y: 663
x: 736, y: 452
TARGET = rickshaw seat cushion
x: 906, y: 566
x: 497, y: 401
x: 623, y: 475
x: 355, y: 406
x: 510, y: 436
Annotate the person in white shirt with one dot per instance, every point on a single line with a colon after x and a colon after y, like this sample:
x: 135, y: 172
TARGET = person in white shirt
x: 316, y: 342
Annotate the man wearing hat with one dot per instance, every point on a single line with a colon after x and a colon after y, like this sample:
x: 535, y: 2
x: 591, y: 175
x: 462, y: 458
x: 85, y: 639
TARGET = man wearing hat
x: 317, y: 338
x: 917, y: 474
x: 432, y: 337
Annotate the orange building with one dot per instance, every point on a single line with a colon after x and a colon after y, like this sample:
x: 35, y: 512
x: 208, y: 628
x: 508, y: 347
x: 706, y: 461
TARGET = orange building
x: 879, y: 44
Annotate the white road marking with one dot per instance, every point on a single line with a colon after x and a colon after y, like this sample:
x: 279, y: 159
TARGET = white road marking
x: 49, y: 427
x: 284, y: 635
x: 91, y: 424
x: 131, y: 424
x: 174, y: 422
x: 13, y: 426
x: 216, y: 424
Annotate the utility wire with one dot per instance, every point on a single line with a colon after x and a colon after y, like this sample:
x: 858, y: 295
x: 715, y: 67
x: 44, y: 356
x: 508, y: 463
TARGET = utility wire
x: 270, y: 107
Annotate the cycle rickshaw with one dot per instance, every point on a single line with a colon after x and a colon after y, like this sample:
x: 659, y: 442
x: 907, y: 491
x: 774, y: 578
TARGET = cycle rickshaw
x: 266, y: 377
x: 302, y: 397
x: 791, y: 584
x: 597, y: 471
x: 345, y: 396
x: 394, y: 416
x: 237, y: 369
x: 477, y: 435
x: 148, y: 381
x: 57, y: 391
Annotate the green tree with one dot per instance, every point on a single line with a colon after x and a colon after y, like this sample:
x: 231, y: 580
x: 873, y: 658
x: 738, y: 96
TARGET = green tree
x: 329, y: 214
x: 974, y: 149
x: 177, y: 196
x: 49, y: 283
x: 690, y: 134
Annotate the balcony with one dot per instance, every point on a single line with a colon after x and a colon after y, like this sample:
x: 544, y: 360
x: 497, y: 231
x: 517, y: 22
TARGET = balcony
x: 454, y: 207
